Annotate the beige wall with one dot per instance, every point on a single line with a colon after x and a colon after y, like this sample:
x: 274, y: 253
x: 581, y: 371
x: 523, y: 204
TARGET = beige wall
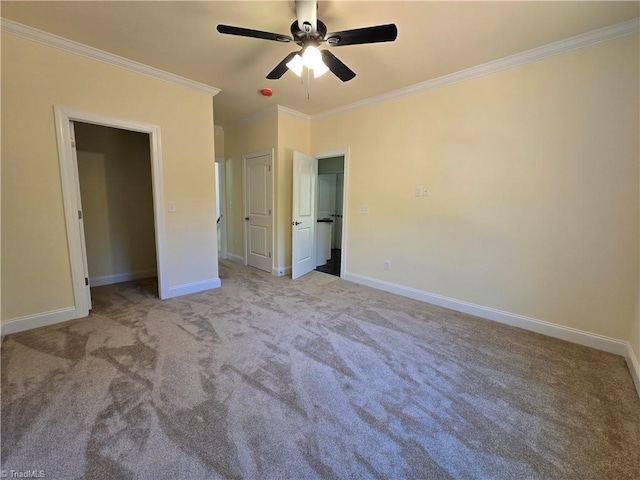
x: 114, y: 168
x: 533, y: 174
x: 36, y: 274
x: 219, y: 140
x: 284, y: 133
x: 240, y: 140
x: 293, y: 135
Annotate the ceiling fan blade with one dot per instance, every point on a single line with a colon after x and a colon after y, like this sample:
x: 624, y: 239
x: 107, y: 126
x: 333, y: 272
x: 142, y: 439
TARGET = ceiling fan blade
x: 247, y: 32
x: 338, y: 68
x: 307, y: 13
x: 281, y: 68
x: 379, y: 33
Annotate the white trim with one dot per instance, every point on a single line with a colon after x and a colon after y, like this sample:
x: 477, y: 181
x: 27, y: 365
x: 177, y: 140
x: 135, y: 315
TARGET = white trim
x: 195, y: 287
x: 535, y: 54
x: 293, y: 113
x: 265, y: 113
x: 121, y: 277
x: 69, y: 182
x: 236, y: 258
x: 634, y: 367
x: 28, y: 322
x: 268, y: 112
x: 281, y: 272
x: 569, y: 334
x: 51, y: 40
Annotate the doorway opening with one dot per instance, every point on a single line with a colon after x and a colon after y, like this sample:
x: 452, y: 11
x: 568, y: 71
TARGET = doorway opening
x: 116, y: 201
x: 65, y: 118
x: 330, y: 208
x: 221, y: 212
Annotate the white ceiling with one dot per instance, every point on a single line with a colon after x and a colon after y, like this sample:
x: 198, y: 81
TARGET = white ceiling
x: 434, y: 39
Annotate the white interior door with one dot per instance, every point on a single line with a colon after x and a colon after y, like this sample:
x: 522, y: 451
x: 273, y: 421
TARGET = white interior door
x: 83, y: 243
x: 221, y: 210
x: 258, y: 194
x: 305, y: 174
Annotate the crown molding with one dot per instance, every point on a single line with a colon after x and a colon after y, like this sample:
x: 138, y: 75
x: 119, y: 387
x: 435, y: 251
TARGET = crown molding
x: 267, y: 112
x: 540, y: 53
x: 51, y: 40
x: 293, y: 113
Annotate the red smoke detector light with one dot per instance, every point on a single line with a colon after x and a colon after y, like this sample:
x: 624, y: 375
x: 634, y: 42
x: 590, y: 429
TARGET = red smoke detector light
x: 266, y: 92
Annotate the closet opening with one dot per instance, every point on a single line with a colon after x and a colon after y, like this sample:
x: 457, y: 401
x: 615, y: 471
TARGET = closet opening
x: 116, y: 201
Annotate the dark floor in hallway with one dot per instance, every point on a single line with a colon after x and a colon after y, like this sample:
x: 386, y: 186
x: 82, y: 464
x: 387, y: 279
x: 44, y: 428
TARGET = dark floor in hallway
x: 332, y: 266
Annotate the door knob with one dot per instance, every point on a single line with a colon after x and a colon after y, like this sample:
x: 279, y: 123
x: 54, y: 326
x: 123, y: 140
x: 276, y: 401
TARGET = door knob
x: 295, y: 223
x: 246, y: 218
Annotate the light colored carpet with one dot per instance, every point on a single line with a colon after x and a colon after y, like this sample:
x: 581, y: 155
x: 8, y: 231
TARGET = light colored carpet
x: 268, y: 378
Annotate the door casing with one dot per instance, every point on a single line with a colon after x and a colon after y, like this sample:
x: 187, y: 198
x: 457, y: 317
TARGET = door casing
x: 70, y: 193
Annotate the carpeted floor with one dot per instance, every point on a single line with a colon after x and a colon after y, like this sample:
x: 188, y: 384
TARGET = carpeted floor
x: 268, y: 378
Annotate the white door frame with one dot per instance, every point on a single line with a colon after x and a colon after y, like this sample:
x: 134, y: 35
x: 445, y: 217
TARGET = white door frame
x: 345, y: 198
x: 70, y: 187
x: 245, y: 230
x: 223, y: 207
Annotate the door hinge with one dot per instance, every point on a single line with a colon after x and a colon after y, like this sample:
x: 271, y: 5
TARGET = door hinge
x: 86, y: 281
x: 269, y: 211
x: 79, y: 214
x: 73, y: 144
x: 269, y: 167
x: 269, y: 254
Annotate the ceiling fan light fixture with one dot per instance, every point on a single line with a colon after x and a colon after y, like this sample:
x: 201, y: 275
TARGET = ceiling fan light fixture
x: 311, y: 57
x: 320, y: 69
x: 295, y: 65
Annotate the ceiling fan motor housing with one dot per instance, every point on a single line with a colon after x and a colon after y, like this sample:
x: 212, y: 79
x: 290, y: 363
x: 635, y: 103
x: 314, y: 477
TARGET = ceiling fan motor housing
x: 302, y: 37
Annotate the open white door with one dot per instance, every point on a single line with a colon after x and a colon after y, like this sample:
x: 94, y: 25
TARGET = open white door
x: 85, y: 263
x: 305, y: 173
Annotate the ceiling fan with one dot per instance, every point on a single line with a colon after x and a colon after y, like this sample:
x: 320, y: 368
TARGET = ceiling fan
x: 310, y: 33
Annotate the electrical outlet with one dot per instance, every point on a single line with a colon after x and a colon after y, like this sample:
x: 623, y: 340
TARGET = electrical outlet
x: 364, y: 209
x: 387, y: 265
x: 418, y: 191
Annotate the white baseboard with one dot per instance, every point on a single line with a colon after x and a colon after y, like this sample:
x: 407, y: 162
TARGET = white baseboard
x: 634, y: 367
x: 28, y: 322
x: 194, y: 287
x: 281, y: 271
x: 235, y: 258
x: 121, y: 277
x: 600, y: 342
